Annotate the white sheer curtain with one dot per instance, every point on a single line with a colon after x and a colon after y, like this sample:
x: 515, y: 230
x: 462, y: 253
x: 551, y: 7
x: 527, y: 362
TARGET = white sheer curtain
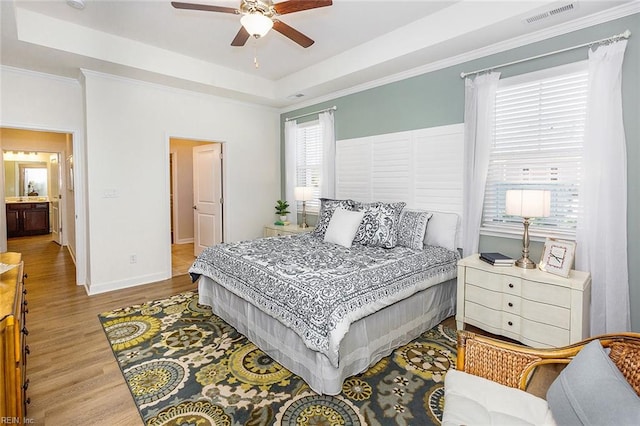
x: 328, y: 172
x: 290, y: 130
x: 602, y: 232
x: 479, y: 110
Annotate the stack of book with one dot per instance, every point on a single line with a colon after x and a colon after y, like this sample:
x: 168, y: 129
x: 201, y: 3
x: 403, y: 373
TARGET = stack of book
x: 497, y: 259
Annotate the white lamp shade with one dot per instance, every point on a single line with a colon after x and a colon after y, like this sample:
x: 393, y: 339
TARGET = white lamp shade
x: 528, y: 203
x: 304, y: 193
x: 256, y: 24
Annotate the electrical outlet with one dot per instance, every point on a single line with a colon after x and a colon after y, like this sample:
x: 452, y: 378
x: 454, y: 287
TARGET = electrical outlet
x: 133, y: 258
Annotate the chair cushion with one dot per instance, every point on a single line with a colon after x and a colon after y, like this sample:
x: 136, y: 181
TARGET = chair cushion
x: 473, y: 400
x: 592, y: 391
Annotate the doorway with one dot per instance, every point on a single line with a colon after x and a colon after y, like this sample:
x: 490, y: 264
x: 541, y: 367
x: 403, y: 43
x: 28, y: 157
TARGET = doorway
x: 34, y: 170
x: 183, y: 203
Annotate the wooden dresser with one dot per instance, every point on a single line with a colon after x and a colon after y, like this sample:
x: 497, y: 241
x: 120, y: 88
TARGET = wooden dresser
x: 531, y: 306
x: 13, y: 332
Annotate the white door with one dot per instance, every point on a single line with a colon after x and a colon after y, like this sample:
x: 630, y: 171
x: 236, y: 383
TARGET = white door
x: 207, y: 196
x: 54, y: 198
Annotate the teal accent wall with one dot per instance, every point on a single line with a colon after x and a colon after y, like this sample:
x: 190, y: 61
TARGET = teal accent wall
x: 437, y: 98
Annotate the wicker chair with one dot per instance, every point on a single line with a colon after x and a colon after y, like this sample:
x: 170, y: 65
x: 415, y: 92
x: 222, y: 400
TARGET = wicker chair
x: 493, y: 380
x: 512, y: 364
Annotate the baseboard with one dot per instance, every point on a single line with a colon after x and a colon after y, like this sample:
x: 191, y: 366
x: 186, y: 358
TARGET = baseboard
x: 184, y: 241
x: 93, y: 289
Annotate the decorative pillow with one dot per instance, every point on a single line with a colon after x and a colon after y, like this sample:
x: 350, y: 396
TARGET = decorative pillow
x: 327, y: 207
x: 411, y: 228
x: 441, y: 230
x: 343, y: 227
x: 379, y: 226
x: 591, y: 390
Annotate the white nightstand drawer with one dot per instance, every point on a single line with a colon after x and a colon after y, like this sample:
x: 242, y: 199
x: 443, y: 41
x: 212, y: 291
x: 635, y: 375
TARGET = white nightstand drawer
x: 511, y: 285
x: 484, y: 297
x: 479, y: 313
x: 494, y: 281
x: 546, y: 314
x: 546, y: 293
x: 512, y: 304
x: 537, y: 334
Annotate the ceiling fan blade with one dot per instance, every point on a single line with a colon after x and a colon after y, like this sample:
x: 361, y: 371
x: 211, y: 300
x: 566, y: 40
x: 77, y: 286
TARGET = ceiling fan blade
x: 291, y: 6
x: 205, y: 7
x: 292, y: 33
x: 241, y: 38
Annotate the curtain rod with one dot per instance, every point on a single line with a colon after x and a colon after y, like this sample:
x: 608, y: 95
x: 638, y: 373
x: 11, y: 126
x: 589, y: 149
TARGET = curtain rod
x: 333, y: 108
x: 616, y: 37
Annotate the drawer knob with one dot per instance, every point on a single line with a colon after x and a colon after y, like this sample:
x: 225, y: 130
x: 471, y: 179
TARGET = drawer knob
x: 27, y: 350
x: 24, y: 291
x: 25, y: 276
x: 28, y: 401
x: 25, y: 302
x: 510, y: 323
x: 26, y: 385
x: 510, y: 285
x: 25, y: 331
x: 510, y: 305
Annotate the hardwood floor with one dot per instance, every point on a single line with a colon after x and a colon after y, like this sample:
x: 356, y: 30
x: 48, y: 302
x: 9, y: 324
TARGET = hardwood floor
x: 181, y: 258
x: 74, y: 377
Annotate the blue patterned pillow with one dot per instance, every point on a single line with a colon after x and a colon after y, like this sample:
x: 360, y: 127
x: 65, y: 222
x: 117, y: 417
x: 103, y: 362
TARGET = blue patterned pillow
x: 412, y: 227
x: 327, y: 207
x: 379, y: 226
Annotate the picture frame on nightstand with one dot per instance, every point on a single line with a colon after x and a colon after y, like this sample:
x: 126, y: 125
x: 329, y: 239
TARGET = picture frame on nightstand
x: 557, y: 256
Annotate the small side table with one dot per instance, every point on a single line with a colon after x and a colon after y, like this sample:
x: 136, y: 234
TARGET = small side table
x: 534, y: 307
x: 277, y: 230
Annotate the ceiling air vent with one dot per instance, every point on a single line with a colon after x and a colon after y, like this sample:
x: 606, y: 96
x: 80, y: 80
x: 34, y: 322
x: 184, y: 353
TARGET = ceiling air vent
x: 549, y: 13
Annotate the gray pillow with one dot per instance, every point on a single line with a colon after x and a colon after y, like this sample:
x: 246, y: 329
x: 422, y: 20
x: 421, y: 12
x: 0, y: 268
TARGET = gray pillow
x: 379, y: 226
x: 592, y: 391
x: 412, y: 227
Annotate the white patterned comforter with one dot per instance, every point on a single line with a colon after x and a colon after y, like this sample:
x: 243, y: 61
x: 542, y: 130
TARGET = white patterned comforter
x: 318, y: 289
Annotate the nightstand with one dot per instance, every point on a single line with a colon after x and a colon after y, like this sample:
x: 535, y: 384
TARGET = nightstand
x: 276, y: 230
x: 528, y: 305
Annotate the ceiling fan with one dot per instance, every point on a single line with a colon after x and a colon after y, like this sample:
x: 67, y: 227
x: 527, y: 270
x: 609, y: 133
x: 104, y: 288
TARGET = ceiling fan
x: 259, y: 16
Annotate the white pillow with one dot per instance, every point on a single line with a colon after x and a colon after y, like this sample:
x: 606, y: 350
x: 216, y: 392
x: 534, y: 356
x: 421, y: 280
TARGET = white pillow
x: 343, y: 227
x: 441, y: 230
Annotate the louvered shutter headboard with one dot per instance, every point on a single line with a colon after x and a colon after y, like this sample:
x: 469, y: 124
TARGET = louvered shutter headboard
x: 420, y: 167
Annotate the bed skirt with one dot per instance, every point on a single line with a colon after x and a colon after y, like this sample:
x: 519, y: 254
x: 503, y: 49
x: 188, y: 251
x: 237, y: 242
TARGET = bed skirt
x: 367, y: 341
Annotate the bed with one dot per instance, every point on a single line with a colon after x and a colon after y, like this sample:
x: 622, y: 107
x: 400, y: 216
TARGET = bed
x: 327, y: 311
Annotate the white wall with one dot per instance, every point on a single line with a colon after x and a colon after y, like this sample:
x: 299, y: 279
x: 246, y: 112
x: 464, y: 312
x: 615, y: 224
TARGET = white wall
x: 128, y: 126
x: 36, y: 101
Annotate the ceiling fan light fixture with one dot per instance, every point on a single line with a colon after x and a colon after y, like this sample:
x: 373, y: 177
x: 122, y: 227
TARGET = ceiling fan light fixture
x: 76, y: 4
x: 256, y: 24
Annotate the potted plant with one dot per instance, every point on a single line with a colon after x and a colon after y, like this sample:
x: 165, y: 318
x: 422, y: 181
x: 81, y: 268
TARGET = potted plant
x: 282, y: 210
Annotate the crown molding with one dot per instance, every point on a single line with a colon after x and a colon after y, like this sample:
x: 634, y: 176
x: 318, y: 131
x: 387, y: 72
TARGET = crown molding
x: 39, y: 74
x: 608, y: 15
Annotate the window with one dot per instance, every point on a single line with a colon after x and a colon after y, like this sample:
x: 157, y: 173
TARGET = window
x: 537, y: 144
x: 309, y: 161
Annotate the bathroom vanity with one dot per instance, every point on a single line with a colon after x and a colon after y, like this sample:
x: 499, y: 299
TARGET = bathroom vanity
x: 27, y: 216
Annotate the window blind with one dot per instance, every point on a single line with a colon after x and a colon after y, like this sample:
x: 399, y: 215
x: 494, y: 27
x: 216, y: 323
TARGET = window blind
x: 537, y: 144
x: 309, y: 161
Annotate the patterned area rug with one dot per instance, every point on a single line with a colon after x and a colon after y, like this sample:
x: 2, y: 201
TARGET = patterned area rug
x: 186, y: 366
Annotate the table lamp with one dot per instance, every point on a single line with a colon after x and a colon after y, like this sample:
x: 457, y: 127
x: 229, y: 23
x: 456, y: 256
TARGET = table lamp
x: 304, y: 194
x: 528, y: 204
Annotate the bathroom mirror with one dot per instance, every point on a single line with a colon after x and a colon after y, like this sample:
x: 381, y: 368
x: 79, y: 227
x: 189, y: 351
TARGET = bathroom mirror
x: 25, y: 178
